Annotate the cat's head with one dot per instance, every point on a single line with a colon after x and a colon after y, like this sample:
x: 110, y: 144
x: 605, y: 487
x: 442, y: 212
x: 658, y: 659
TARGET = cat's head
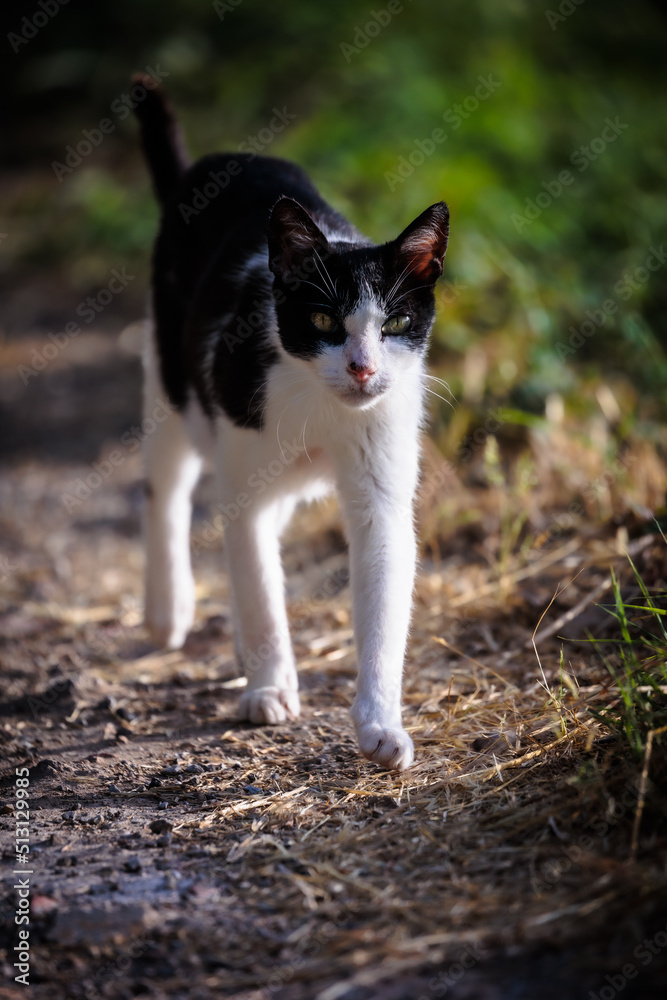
x: 359, y: 315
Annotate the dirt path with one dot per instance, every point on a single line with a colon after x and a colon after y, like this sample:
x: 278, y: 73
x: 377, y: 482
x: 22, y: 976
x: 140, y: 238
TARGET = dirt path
x: 177, y: 852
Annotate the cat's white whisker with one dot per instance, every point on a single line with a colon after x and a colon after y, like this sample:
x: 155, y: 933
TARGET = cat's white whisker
x: 303, y: 438
x: 319, y: 288
x: 278, y: 392
x: 394, y: 302
x: 448, y: 402
x: 441, y: 382
x: 389, y: 300
x: 326, y: 276
x: 289, y: 403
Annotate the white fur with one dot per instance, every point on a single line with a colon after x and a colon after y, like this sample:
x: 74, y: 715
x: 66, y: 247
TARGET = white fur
x: 173, y: 465
x: 322, y: 429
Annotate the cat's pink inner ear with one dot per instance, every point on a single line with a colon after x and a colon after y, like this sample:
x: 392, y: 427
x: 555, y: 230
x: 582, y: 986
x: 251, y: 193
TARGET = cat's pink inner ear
x: 423, y: 244
x: 423, y: 254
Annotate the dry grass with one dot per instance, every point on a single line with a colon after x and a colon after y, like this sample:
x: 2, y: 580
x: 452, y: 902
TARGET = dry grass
x: 293, y: 867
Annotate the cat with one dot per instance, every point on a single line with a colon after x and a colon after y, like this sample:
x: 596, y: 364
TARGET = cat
x: 283, y: 338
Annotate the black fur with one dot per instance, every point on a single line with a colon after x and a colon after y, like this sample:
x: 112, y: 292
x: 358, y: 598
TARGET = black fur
x: 214, y: 307
x: 161, y: 138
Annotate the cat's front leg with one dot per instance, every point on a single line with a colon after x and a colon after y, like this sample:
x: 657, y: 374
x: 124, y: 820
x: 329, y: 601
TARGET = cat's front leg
x: 382, y: 564
x: 262, y: 633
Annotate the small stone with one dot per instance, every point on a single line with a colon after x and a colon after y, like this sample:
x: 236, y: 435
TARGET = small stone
x: 163, y: 805
x: 86, y: 925
x: 66, y: 861
x: 494, y: 742
x: 41, y: 906
x: 154, y: 783
x: 45, y: 769
x: 194, y: 769
x: 161, y: 826
x: 165, y: 840
x: 128, y: 841
x: 199, y: 893
x: 252, y: 790
x: 114, y: 788
x: 132, y: 865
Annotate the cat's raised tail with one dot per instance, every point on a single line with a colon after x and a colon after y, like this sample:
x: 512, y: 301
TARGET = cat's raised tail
x: 161, y: 137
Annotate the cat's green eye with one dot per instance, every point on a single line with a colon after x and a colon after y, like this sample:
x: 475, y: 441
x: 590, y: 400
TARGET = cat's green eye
x: 323, y: 322
x: 396, y: 324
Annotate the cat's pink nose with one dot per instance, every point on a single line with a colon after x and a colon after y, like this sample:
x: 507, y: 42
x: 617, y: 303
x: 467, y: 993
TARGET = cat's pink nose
x: 360, y: 372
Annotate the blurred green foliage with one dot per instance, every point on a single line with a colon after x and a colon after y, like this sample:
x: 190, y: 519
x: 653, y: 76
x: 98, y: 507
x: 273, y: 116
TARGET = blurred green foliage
x: 368, y: 90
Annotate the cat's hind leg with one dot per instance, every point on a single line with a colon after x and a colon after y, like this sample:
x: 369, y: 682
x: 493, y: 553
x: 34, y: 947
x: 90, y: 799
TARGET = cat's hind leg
x: 173, y: 467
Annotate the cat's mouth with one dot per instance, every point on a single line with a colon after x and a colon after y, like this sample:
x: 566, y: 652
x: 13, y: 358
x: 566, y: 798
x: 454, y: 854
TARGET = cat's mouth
x: 362, y: 394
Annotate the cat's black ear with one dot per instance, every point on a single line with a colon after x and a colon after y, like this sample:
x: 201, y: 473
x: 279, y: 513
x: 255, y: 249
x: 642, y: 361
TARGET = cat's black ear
x: 421, y: 247
x: 293, y: 236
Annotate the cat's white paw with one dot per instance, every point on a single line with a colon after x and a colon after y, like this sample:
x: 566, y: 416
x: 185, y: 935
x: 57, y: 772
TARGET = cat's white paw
x: 390, y: 747
x: 169, y: 617
x: 169, y: 635
x: 169, y: 629
x: 269, y: 705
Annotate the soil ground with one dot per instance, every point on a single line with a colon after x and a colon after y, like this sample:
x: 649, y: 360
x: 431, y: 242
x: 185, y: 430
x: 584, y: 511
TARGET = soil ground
x: 179, y: 853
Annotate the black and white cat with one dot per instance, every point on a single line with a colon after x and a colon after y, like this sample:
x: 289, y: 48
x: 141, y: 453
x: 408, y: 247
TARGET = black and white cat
x: 282, y: 335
